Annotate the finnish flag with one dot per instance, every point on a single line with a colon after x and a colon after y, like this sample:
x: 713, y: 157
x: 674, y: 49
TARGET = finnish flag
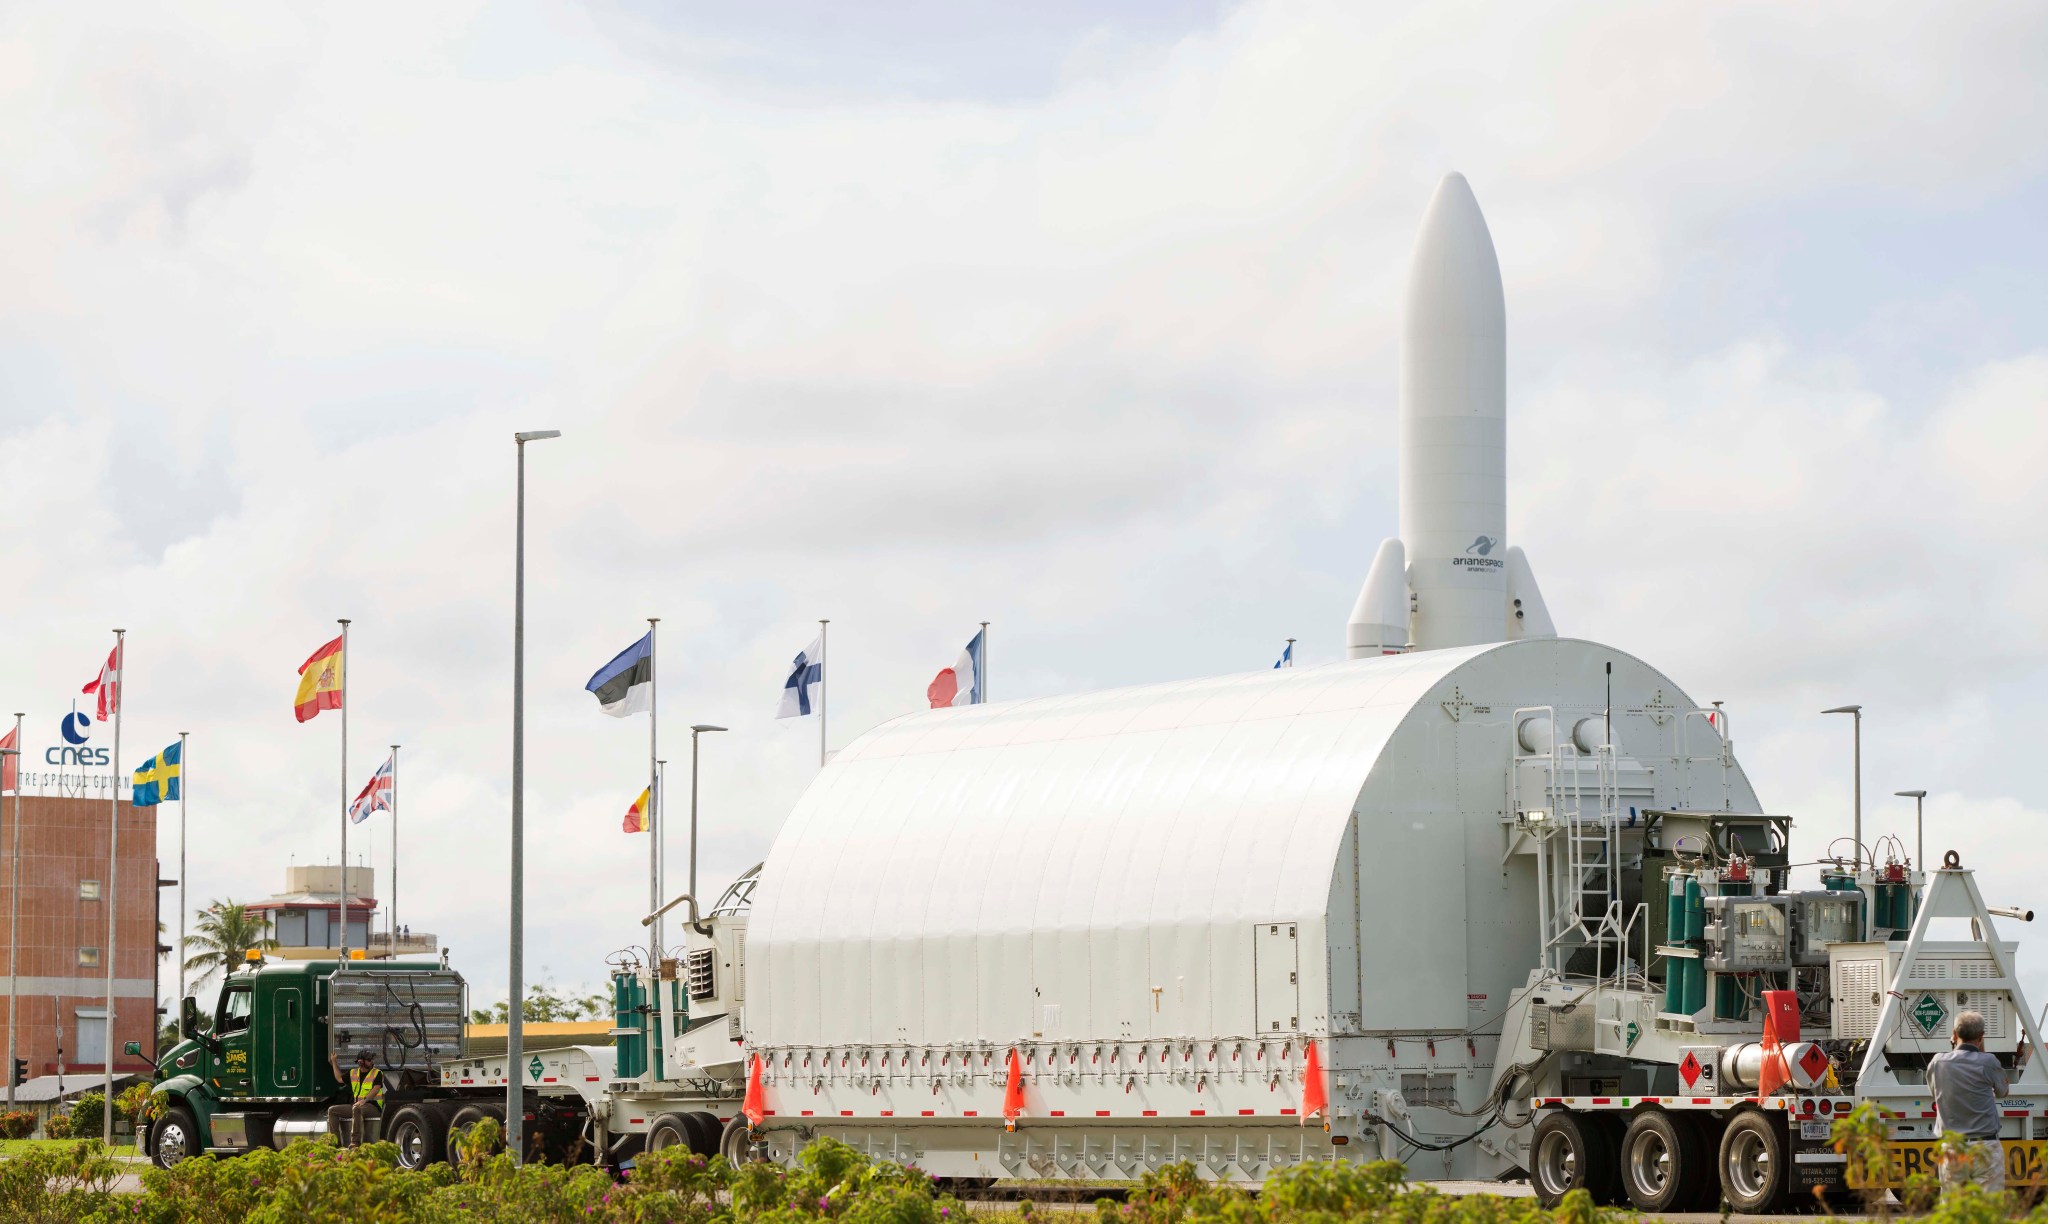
x: 800, y: 691
x: 1286, y: 658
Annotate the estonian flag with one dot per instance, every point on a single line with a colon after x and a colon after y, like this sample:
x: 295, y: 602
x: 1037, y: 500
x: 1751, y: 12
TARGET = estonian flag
x: 157, y: 780
x: 626, y: 684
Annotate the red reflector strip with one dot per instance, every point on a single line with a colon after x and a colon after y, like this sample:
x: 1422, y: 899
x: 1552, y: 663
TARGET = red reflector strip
x: 1603, y: 1100
x: 806, y: 1113
x: 1245, y: 1111
x: 2015, y: 1113
x: 1102, y: 1113
x: 1287, y: 1113
x: 469, y: 1081
x: 846, y: 1113
x: 1151, y: 1113
x: 888, y: 1113
x: 636, y: 1121
x: 1197, y: 1113
x: 590, y: 1079
x: 1059, y: 1113
x: 549, y: 1080
x: 1703, y: 1100
x: 929, y: 1114
x: 967, y: 1113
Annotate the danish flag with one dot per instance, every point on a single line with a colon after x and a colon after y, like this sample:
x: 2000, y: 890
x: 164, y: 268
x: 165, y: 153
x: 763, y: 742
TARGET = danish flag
x: 107, y: 686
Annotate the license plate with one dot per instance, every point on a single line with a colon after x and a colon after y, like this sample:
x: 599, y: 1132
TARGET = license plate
x: 1816, y: 1130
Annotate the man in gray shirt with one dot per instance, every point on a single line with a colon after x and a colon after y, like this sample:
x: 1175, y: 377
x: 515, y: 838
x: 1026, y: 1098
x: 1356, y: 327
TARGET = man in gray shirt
x: 1967, y: 1083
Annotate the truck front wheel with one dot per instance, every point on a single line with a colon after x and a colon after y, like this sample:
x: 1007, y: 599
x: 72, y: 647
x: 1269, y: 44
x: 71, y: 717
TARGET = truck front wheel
x: 1753, y: 1160
x: 174, y: 1137
x: 417, y: 1132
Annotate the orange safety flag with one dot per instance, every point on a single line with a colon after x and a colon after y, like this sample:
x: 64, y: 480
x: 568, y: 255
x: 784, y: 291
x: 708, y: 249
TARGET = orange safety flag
x: 636, y: 816
x: 755, y: 1106
x: 1781, y: 1025
x: 1013, y: 1093
x: 319, y: 682
x: 1315, y: 1095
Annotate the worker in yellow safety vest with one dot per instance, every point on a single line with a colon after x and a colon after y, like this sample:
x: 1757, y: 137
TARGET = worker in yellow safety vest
x: 365, y: 1084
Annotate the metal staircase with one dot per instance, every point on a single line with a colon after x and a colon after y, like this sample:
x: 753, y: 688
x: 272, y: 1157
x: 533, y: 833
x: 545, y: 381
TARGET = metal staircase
x: 1575, y: 821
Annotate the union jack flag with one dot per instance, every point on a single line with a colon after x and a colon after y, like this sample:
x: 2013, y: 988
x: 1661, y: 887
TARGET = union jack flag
x: 376, y: 797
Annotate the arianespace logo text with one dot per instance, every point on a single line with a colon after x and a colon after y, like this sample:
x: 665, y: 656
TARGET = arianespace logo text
x: 75, y: 729
x: 1478, y: 556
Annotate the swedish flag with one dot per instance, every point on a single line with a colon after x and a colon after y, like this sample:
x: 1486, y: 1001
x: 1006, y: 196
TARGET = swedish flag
x: 157, y: 780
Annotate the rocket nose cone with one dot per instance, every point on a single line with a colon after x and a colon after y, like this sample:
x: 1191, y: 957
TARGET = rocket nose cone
x: 1454, y: 283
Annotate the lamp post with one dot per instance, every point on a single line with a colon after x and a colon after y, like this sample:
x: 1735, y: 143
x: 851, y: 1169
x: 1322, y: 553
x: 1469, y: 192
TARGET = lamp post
x: 1919, y: 826
x: 696, y: 730
x: 515, y: 967
x: 1856, y: 712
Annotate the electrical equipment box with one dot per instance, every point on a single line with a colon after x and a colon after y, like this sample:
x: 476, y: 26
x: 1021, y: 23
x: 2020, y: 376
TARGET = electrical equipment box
x: 1820, y: 919
x: 1748, y: 933
x: 1943, y: 980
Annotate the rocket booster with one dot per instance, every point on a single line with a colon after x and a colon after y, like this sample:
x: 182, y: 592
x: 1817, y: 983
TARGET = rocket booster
x: 1451, y: 579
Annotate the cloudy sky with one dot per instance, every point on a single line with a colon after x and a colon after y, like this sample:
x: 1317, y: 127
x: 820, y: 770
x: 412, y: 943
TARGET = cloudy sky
x: 1077, y: 318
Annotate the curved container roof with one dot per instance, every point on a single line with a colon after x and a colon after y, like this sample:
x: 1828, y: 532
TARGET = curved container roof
x: 1301, y: 849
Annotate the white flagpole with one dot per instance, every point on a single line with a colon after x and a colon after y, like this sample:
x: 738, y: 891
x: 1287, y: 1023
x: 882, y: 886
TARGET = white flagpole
x: 984, y: 663
x: 14, y: 918
x: 1290, y: 652
x: 391, y: 915
x: 184, y: 825
x: 113, y: 891
x: 822, y: 682
x: 341, y: 941
x: 654, y: 829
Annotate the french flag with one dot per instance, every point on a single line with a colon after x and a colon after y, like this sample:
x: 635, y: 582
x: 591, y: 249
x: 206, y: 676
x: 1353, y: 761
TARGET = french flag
x: 959, y: 684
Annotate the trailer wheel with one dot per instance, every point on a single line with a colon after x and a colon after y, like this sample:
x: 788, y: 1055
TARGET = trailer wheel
x: 737, y: 1143
x: 1665, y: 1165
x: 417, y: 1132
x: 1573, y: 1152
x: 470, y: 1115
x: 669, y: 1130
x: 1753, y: 1164
x: 704, y: 1133
x: 174, y: 1137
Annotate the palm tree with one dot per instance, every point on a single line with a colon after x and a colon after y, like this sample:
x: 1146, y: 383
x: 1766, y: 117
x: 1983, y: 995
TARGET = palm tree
x: 228, y: 932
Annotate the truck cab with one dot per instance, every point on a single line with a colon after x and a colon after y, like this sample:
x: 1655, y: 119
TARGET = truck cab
x: 259, y: 1071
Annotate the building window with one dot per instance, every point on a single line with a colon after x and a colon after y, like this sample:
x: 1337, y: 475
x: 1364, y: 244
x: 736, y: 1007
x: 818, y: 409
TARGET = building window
x: 291, y: 929
x: 88, y: 890
x: 88, y: 958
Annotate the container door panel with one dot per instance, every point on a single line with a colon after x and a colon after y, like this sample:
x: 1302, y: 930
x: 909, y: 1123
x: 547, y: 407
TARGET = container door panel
x: 1277, y: 962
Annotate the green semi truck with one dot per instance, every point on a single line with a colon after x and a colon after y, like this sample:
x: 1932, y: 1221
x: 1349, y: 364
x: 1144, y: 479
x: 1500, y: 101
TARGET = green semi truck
x: 262, y: 1072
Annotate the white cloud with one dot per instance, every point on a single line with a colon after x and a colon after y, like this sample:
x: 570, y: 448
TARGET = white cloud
x: 1113, y: 367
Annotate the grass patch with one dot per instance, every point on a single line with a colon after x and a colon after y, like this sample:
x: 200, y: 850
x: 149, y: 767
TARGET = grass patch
x: 10, y: 1148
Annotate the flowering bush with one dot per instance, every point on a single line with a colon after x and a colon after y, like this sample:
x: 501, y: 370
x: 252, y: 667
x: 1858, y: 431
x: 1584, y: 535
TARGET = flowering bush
x: 17, y: 1124
x: 58, y: 1127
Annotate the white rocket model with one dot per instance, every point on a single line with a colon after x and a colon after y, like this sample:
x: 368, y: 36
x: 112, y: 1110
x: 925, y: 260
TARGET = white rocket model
x: 1450, y: 578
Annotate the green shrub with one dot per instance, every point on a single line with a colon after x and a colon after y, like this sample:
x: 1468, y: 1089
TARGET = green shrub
x: 17, y: 1124
x: 57, y: 1185
x: 58, y: 1127
x: 136, y: 1104
x: 88, y: 1115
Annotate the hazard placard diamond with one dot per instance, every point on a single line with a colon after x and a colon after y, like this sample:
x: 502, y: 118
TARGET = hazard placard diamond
x: 1690, y: 1070
x: 1814, y: 1063
x: 1928, y: 1013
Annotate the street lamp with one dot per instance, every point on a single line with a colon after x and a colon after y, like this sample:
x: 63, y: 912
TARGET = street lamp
x: 696, y: 730
x: 1919, y: 826
x: 1856, y: 711
x: 515, y: 968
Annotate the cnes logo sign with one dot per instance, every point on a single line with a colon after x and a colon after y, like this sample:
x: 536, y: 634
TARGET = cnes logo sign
x: 75, y: 729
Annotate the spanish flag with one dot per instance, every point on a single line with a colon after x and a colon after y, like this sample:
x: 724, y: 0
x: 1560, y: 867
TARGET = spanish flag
x: 319, y: 682
x: 636, y: 816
